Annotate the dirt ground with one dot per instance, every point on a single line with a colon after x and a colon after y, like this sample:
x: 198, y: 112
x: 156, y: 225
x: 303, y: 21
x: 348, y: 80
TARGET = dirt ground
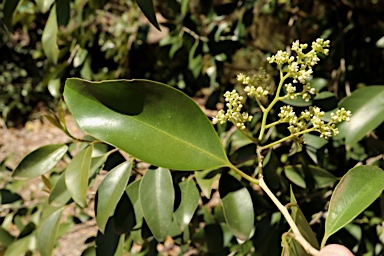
x: 16, y: 143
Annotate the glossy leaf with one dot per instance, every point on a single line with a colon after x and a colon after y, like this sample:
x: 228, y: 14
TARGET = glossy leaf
x: 48, y: 233
x: 133, y: 194
x: 237, y: 206
x: 322, y: 178
x: 355, y: 192
x: 151, y: 121
x: 367, y: 107
x: 189, y: 202
x: 157, y: 198
x: 48, y: 39
x: 110, y: 191
x: 205, y: 180
x: 40, y: 161
x: 148, y: 9
x: 76, y: 175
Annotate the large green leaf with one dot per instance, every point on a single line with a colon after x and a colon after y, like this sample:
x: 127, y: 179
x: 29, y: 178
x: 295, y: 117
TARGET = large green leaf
x: 189, y: 202
x: 367, y: 107
x: 48, y: 39
x: 157, y: 198
x: 148, y: 9
x: 76, y: 175
x: 40, y: 161
x: 355, y: 192
x: 48, y: 233
x: 110, y: 191
x: 149, y: 120
x: 237, y: 206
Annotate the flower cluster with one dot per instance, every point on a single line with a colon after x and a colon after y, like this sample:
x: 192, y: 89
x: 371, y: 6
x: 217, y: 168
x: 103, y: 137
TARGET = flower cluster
x: 234, y: 105
x: 255, y: 85
x: 313, y: 117
x: 299, y: 68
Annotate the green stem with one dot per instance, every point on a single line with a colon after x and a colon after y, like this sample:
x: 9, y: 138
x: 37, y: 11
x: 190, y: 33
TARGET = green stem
x: 297, y: 235
x: 242, y: 174
x: 272, y: 124
x: 249, y: 137
x: 274, y: 101
x: 260, y: 105
x: 287, y: 138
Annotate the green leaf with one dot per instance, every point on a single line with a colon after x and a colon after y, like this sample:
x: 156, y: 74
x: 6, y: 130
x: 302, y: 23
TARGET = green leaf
x: 157, y: 198
x: 48, y: 39
x: 48, y: 233
x: 110, y: 191
x: 237, y: 206
x: 44, y: 5
x: 20, y: 246
x: 5, y: 237
x: 367, y: 107
x: 189, y: 202
x: 8, y: 10
x: 355, y: 192
x: 60, y: 194
x: 322, y: 178
x: 151, y: 121
x: 133, y: 195
x: 63, y: 12
x: 40, y: 161
x: 76, y: 175
x: 205, y: 179
x: 148, y: 9
x: 303, y: 227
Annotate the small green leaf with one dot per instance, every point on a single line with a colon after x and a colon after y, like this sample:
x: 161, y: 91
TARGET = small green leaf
x: 76, y: 175
x: 132, y: 191
x: 48, y: 233
x: 188, y: 205
x: 355, y: 192
x: 205, y: 180
x: 40, y: 161
x: 110, y: 191
x: 44, y: 5
x: 322, y: 178
x: 170, y: 128
x: 148, y: 9
x: 157, y: 198
x: 304, y: 229
x: 237, y: 206
x: 367, y: 107
x: 61, y: 114
x: 48, y: 39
